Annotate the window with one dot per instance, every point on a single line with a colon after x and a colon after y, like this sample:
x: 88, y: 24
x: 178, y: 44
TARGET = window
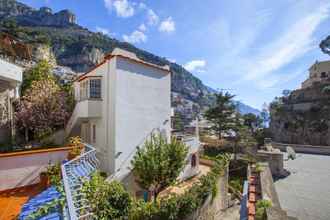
x: 323, y: 75
x: 95, y: 88
x: 94, y: 134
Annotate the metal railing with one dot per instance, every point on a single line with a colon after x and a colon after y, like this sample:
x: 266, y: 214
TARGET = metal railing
x: 74, y: 172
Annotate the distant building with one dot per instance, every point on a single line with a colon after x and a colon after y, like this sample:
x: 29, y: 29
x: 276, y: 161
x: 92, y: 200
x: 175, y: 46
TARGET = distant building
x: 10, y: 80
x: 318, y: 73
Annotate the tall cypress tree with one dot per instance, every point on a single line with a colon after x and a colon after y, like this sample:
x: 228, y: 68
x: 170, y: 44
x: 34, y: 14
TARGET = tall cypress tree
x: 221, y: 115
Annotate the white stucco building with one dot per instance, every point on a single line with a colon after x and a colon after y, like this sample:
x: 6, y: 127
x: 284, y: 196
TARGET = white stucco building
x: 119, y: 103
x: 10, y: 80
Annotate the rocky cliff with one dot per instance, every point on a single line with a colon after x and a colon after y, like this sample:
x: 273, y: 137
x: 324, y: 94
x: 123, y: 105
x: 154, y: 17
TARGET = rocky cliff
x: 26, y: 15
x: 303, y: 117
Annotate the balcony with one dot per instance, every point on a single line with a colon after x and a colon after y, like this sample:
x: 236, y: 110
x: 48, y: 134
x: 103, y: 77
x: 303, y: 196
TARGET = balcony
x: 89, y: 108
x: 85, y: 109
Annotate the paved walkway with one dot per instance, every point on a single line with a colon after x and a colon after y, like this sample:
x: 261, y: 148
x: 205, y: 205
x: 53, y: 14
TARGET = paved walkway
x: 305, y: 193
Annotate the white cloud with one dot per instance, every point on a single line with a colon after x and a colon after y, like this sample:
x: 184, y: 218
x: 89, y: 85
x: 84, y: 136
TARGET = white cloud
x: 167, y: 25
x: 123, y: 8
x: 195, y: 66
x: 152, y: 17
x: 142, y: 27
x: 104, y: 31
x: 135, y: 37
x: 142, y: 5
x: 171, y: 60
x: 108, y: 4
x: 292, y: 44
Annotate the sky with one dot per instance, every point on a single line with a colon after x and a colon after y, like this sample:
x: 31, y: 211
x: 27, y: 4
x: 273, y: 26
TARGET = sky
x: 254, y: 49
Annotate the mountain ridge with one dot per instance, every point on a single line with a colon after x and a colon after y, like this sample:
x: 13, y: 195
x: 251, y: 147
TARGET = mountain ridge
x: 80, y: 49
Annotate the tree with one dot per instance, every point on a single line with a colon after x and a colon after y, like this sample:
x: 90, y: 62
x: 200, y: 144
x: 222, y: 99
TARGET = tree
x: 252, y: 121
x: 237, y: 126
x: 286, y: 92
x: 41, y: 71
x: 265, y: 115
x: 42, y: 109
x: 158, y: 163
x: 221, y: 114
x: 178, y: 121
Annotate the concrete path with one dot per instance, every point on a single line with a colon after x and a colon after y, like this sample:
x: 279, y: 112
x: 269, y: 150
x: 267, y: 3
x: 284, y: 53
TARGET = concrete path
x: 305, y: 193
x: 232, y: 213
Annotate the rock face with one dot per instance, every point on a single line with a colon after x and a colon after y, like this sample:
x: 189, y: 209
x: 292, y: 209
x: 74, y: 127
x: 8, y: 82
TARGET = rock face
x: 303, y: 117
x: 43, y: 52
x: 26, y: 15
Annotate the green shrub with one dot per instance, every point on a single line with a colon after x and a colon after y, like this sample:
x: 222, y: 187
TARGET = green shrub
x: 107, y: 200
x: 111, y: 201
x: 261, y: 207
x: 54, y: 173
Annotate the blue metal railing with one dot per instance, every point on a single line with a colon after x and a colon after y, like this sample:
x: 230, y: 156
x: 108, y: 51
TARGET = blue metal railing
x: 74, y: 171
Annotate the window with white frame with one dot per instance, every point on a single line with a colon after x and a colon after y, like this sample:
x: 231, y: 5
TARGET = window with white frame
x: 95, y: 88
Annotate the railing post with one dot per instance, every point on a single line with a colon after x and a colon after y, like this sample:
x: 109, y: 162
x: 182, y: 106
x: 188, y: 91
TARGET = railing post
x: 68, y: 194
x: 71, y: 190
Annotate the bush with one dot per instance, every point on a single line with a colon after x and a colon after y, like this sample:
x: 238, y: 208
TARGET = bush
x: 54, y: 173
x: 107, y: 200
x: 261, y: 206
x: 111, y: 201
x: 158, y: 163
x: 180, y: 206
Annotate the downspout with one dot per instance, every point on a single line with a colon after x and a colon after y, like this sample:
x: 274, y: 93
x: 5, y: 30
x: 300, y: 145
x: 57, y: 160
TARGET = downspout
x: 107, y: 113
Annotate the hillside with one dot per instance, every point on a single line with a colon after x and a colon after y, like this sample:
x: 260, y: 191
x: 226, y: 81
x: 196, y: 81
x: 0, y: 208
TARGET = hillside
x: 80, y: 49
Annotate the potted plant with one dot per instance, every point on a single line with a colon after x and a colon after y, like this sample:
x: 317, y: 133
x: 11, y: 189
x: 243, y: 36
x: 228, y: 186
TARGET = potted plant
x: 76, y: 144
x: 52, y: 176
x: 44, y: 179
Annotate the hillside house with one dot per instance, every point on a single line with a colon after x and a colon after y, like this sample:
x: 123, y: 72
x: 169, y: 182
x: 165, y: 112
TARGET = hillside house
x: 119, y: 104
x: 318, y: 72
x: 10, y: 79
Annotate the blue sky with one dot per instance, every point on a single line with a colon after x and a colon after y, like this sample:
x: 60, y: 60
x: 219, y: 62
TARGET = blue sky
x: 255, y: 48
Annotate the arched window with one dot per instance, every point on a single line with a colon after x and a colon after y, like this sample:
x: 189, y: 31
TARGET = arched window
x: 193, y: 160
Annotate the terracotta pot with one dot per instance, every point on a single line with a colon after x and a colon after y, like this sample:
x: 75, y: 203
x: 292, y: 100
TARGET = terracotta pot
x: 44, y: 180
x: 71, y: 156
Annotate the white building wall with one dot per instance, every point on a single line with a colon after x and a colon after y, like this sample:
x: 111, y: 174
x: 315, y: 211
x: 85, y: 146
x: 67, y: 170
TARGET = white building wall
x: 142, y: 104
x: 10, y: 72
x: 135, y: 100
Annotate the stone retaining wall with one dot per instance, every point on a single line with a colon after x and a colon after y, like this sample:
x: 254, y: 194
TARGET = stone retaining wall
x: 299, y: 148
x: 274, y: 159
x: 268, y: 192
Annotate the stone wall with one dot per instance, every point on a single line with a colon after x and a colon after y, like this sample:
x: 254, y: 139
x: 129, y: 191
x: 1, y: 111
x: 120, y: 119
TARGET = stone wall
x: 299, y: 148
x: 268, y: 192
x: 212, y: 208
x: 303, y: 117
x: 274, y: 159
